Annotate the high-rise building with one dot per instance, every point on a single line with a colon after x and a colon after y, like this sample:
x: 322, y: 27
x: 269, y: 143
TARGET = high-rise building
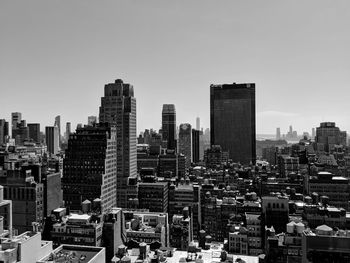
x: 198, y: 123
x: 34, y: 132
x: 16, y: 118
x: 118, y: 107
x: 185, y: 143
x: 169, y: 125
x: 92, y: 120
x: 52, y: 143
x: 154, y: 196
x: 89, y: 167
x: 313, y: 133
x: 68, y: 130
x: 278, y: 133
x: 232, y: 120
x: 58, y: 124
x: 328, y: 135
x: 195, y: 145
x: 20, y: 132
x: 4, y: 130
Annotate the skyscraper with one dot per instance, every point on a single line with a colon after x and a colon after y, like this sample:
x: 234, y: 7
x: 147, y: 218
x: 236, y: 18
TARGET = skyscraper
x: 58, y: 124
x: 185, y: 142
x: 118, y: 107
x: 278, y: 133
x: 169, y: 125
x: 198, y: 124
x: 232, y: 120
x: 195, y: 145
x: 89, y: 167
x: 4, y: 130
x: 34, y: 132
x: 68, y: 130
x: 16, y: 118
x: 51, y: 133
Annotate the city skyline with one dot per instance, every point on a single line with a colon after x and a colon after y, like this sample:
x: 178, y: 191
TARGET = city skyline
x: 45, y: 57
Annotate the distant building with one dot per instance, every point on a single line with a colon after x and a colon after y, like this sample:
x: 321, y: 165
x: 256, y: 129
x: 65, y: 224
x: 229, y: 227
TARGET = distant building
x: 195, y: 146
x: 34, y: 132
x: 4, y: 131
x: 92, y: 120
x: 16, y: 118
x: 89, y: 167
x: 58, y: 125
x: 52, y: 139
x: 214, y: 156
x: 278, y: 133
x: 68, y: 130
x: 20, y: 132
x: 169, y: 126
x: 198, y: 123
x: 185, y: 143
x: 118, y: 107
x: 328, y: 135
x: 232, y: 120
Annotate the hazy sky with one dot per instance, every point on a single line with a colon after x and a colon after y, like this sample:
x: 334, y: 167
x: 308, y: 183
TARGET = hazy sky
x: 56, y: 56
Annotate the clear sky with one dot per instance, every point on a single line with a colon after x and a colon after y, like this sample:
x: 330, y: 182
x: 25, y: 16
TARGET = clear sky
x: 56, y: 56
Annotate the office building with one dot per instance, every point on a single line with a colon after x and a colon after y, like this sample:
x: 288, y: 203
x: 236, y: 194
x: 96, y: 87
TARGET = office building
x: 4, y: 131
x: 232, y: 120
x: 118, y: 107
x: 198, y: 124
x: 20, y: 132
x: 34, y: 132
x: 89, y: 167
x: 27, y: 196
x: 185, y: 143
x: 68, y: 130
x: 58, y: 125
x: 328, y: 136
x: 154, y: 196
x: 275, y: 211
x: 169, y: 126
x: 52, y: 141
x: 278, y: 134
x: 16, y: 118
x: 195, y: 145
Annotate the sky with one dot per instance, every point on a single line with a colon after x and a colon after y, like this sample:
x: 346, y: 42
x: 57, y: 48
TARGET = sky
x: 56, y: 56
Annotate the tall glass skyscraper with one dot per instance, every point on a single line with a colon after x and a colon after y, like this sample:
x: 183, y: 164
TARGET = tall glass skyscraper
x: 118, y: 107
x: 169, y: 125
x: 232, y: 120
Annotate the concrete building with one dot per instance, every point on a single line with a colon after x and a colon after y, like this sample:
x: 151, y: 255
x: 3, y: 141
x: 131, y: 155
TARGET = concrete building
x: 153, y: 196
x: 288, y: 165
x: 16, y: 118
x: 181, y: 232
x: 118, y: 107
x: 335, y: 188
x: 114, y: 234
x: 325, y: 245
x: 169, y: 126
x: 92, y: 120
x: 20, y: 132
x: 52, y: 139
x: 89, y: 167
x: 77, y: 229
x: 27, y: 197
x: 147, y: 227
x: 186, y: 195
x: 185, y: 143
x: 232, y: 120
x: 275, y: 212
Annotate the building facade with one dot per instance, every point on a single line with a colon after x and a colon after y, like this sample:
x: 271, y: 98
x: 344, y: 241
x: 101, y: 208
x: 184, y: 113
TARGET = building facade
x: 169, y: 126
x: 232, y: 120
x: 118, y: 107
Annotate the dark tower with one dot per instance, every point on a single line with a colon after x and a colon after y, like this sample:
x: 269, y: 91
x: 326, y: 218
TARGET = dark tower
x: 169, y: 125
x: 232, y: 120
